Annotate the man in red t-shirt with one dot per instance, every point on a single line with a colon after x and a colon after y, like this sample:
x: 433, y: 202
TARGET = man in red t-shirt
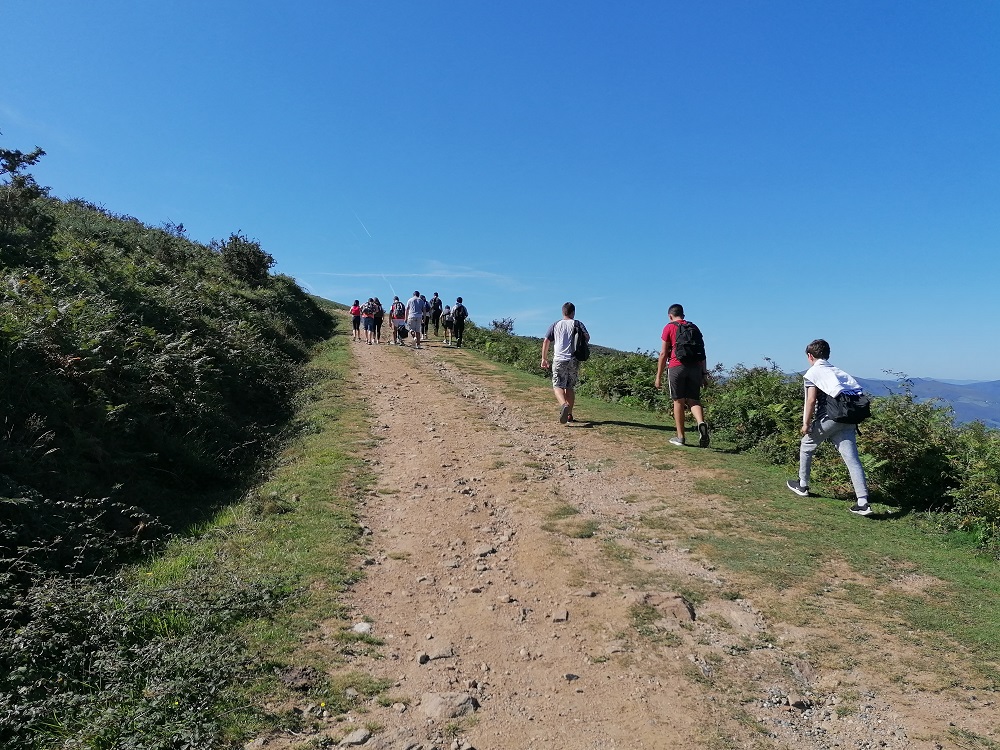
x: 686, y: 371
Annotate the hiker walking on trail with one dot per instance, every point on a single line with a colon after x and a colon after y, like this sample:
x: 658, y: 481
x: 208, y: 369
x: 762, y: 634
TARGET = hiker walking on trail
x: 683, y: 355
x: 378, y: 317
x: 825, y: 389
x: 397, y: 319
x: 415, y: 317
x: 459, y: 313
x: 448, y: 321
x: 426, y: 319
x: 565, y: 367
x: 356, y: 321
x: 436, y: 304
x: 368, y: 319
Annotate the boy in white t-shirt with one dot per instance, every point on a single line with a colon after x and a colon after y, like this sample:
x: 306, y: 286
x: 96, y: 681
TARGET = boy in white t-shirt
x: 823, y: 380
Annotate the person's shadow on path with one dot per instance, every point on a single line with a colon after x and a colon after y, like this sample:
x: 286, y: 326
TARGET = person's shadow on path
x: 598, y: 423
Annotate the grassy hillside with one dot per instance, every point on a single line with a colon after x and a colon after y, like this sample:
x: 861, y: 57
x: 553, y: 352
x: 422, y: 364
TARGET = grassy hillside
x: 146, y: 381
x: 144, y: 377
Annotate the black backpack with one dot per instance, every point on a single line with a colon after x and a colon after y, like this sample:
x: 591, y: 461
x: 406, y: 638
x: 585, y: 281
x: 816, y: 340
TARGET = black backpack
x: 436, y: 304
x: 581, y: 348
x: 848, y: 408
x: 460, y: 313
x: 689, y: 345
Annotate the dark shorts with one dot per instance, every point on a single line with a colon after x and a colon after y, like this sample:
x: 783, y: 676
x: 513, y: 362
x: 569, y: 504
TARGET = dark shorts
x: 369, y: 323
x: 685, y: 382
x: 356, y: 322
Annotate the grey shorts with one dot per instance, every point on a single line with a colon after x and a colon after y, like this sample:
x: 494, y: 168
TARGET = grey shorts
x: 565, y: 373
x: 414, y: 324
x: 685, y: 382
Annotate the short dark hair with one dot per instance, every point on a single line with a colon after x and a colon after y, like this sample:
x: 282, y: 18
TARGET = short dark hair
x: 819, y: 349
x: 676, y: 310
x: 459, y: 299
x: 569, y: 309
x: 416, y: 293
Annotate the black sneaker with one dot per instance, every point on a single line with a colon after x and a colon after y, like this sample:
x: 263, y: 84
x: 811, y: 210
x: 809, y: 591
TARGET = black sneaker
x: 861, y: 510
x: 798, y: 489
x: 703, y: 436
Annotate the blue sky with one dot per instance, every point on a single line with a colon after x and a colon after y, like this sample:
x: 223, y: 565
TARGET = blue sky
x: 785, y: 170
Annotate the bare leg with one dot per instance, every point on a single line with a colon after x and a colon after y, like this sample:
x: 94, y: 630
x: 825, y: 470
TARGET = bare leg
x: 679, y: 417
x: 696, y: 411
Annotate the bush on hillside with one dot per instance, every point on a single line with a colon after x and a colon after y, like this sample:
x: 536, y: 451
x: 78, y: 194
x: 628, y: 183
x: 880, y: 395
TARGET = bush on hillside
x: 25, y: 224
x: 503, y: 325
x: 760, y: 410
x: 975, y: 500
x: 624, y: 378
x: 245, y: 259
x: 907, y: 449
x: 518, y: 351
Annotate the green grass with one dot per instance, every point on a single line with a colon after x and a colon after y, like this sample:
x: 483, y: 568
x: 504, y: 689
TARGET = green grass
x: 565, y: 519
x: 644, y: 619
x: 791, y: 540
x: 971, y: 741
x: 563, y: 511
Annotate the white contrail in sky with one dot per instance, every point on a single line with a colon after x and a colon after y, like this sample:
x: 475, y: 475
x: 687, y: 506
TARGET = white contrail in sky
x: 362, y: 225
x: 390, y: 285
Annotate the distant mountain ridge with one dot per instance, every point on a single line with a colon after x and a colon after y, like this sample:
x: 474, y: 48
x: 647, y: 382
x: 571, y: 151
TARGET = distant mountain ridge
x: 971, y: 402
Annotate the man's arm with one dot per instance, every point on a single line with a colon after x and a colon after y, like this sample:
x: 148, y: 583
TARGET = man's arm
x: 808, y: 409
x: 661, y: 362
x: 545, y: 354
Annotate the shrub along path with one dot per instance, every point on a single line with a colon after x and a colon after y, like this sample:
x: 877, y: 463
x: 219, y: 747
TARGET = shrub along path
x: 535, y: 585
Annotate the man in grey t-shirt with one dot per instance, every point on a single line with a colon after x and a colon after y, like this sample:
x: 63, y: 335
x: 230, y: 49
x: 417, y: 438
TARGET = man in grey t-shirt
x: 415, y: 308
x: 565, y: 369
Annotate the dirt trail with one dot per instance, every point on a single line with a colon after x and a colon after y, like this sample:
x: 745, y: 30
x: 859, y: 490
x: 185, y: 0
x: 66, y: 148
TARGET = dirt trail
x: 490, y: 593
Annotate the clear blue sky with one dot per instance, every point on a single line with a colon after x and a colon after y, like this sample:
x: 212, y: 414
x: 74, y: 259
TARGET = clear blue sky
x: 785, y: 169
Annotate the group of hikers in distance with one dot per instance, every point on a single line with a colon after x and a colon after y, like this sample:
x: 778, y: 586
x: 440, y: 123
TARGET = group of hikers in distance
x: 410, y: 319
x: 834, y: 402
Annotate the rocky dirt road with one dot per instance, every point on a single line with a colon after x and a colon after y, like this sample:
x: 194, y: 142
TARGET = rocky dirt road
x: 526, y: 599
